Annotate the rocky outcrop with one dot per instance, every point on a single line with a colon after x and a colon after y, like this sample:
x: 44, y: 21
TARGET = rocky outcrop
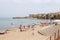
x: 55, y: 15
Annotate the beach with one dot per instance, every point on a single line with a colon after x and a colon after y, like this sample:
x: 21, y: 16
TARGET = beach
x: 38, y: 32
x: 14, y: 32
x: 29, y: 34
x: 7, y: 23
x: 29, y: 19
x: 26, y: 35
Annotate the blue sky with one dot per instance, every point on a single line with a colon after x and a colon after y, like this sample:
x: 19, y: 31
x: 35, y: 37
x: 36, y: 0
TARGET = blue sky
x: 11, y: 8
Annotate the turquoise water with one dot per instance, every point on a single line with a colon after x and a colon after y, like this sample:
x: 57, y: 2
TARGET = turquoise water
x: 6, y: 23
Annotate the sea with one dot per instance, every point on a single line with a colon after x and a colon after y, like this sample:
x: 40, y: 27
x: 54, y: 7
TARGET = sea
x: 7, y: 23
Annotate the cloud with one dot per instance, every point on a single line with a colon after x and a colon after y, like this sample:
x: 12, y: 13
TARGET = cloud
x: 39, y: 1
x: 32, y: 1
x: 57, y: 1
x: 4, y: 1
x: 24, y: 7
x: 17, y: 1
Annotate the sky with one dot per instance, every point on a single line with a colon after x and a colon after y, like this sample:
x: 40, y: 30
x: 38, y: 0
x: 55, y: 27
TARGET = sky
x: 13, y: 8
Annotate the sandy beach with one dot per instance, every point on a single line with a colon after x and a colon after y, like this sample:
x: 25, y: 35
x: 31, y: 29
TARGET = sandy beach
x: 30, y: 34
x: 26, y: 35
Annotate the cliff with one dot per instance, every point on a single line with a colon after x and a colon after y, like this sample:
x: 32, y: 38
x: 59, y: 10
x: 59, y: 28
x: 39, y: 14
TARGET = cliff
x: 55, y: 15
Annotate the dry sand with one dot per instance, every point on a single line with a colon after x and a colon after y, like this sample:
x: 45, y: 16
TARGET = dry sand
x: 26, y: 35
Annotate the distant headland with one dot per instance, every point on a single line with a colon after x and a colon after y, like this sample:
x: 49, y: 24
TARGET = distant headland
x: 54, y: 15
x: 19, y: 17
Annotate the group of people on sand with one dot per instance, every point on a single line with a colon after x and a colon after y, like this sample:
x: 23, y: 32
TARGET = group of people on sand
x: 25, y: 28
x: 21, y: 28
x: 46, y: 24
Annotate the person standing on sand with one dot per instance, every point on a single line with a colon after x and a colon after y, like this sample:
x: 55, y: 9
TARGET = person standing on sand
x: 24, y: 26
x: 32, y: 27
x: 20, y: 27
x: 28, y: 26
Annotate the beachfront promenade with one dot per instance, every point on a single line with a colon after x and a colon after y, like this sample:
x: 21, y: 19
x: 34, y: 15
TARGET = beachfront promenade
x: 50, y: 32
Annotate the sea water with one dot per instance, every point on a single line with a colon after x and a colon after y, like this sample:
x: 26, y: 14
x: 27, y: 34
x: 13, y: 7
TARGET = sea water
x: 6, y: 23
